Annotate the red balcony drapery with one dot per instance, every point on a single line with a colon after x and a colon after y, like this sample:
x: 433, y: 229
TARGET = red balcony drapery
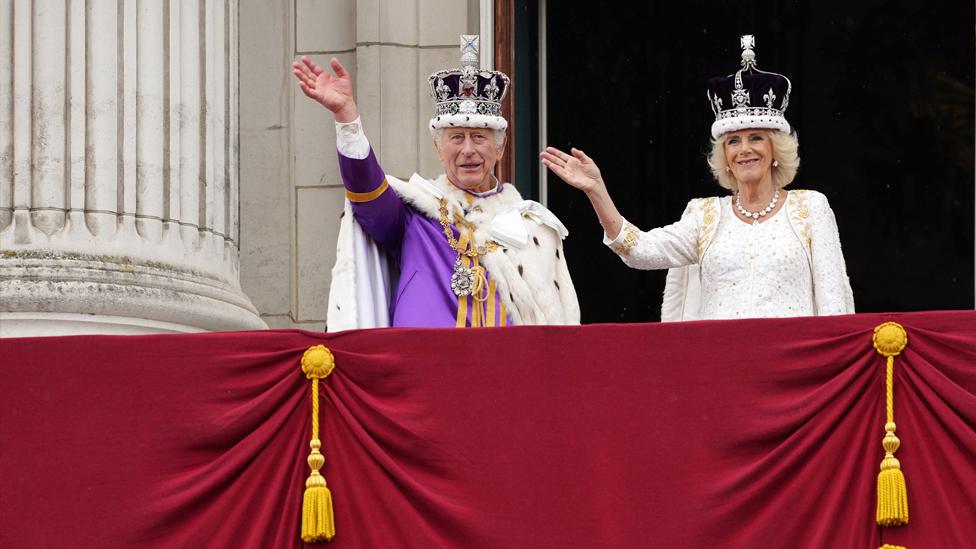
x: 757, y: 433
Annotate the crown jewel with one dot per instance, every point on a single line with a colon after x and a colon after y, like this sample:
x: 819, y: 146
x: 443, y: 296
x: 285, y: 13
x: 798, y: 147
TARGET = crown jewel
x: 750, y: 98
x: 468, y: 96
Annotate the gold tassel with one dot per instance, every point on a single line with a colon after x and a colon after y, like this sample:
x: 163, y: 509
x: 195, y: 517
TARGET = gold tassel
x: 887, y: 546
x: 318, y: 520
x: 889, y: 340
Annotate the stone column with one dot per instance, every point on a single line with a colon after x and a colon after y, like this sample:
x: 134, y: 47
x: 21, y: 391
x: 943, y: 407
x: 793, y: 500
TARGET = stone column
x: 118, y: 167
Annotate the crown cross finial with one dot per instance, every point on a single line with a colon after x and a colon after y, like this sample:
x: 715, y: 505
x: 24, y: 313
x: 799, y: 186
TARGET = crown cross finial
x: 470, y: 49
x: 747, y: 42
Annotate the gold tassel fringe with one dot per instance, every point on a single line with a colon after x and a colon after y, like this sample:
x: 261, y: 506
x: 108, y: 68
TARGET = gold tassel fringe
x: 892, y: 493
x: 889, y: 340
x: 886, y: 546
x: 318, y: 518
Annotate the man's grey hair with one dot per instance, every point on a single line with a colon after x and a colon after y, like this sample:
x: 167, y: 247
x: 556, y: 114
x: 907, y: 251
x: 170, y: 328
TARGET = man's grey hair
x: 499, y: 135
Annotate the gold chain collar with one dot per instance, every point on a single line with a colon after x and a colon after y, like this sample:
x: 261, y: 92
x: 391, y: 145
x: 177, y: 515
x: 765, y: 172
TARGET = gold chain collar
x: 488, y: 247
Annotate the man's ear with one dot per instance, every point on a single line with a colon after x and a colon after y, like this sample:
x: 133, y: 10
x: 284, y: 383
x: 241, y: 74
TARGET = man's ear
x: 501, y: 149
x: 438, y: 149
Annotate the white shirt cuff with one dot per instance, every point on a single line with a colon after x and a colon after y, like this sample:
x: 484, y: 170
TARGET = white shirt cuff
x: 350, y: 139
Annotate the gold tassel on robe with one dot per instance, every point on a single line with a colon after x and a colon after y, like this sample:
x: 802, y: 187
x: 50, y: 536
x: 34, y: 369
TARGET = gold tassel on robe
x: 318, y: 521
x: 481, y: 301
x: 889, y: 340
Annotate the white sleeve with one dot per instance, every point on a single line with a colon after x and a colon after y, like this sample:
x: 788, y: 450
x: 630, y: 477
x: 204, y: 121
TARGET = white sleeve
x: 674, y: 245
x: 832, y: 293
x: 350, y: 139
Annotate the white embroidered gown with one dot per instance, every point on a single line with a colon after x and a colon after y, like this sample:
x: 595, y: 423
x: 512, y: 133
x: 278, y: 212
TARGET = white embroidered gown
x: 789, y: 265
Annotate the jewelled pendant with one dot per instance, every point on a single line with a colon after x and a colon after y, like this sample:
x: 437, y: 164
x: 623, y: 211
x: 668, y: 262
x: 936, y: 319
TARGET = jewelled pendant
x: 462, y: 281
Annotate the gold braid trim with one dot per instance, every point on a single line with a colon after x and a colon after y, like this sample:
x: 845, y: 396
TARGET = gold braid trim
x: 799, y: 209
x: 370, y: 196
x: 461, y: 320
x: 709, y: 211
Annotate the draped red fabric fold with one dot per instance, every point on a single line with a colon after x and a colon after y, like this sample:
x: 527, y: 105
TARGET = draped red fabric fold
x: 741, y: 434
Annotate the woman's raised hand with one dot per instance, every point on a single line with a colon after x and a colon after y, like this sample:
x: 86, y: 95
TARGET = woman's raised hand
x: 577, y: 169
x: 334, y: 92
x: 581, y: 172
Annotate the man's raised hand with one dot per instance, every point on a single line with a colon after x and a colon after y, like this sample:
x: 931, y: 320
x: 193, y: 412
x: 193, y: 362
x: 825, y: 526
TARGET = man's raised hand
x: 334, y: 92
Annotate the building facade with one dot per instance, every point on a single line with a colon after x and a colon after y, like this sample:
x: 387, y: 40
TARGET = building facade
x: 161, y: 172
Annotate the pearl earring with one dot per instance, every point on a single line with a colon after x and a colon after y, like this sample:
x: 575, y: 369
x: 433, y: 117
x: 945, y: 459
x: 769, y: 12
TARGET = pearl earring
x: 775, y: 163
x: 728, y: 169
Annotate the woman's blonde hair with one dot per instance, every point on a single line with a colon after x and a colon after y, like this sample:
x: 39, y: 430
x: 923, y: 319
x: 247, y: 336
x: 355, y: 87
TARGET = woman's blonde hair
x: 785, y: 146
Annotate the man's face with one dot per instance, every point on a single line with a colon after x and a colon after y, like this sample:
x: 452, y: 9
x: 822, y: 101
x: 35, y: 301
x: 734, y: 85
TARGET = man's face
x: 469, y: 156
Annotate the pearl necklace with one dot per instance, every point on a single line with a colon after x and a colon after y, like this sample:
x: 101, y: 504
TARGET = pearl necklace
x: 761, y: 213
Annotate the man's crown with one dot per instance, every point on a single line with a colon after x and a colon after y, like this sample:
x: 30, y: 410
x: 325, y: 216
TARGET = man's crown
x: 468, y: 96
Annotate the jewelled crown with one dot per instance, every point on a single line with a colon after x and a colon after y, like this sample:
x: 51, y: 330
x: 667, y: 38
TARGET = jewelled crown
x: 468, y: 97
x: 750, y: 98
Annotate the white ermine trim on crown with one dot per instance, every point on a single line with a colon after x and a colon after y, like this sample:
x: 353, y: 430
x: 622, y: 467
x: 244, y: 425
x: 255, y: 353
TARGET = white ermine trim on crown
x: 737, y: 123
x: 467, y: 121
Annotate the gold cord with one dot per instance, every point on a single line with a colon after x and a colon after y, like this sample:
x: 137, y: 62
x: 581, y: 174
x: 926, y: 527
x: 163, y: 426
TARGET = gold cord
x: 318, y: 519
x: 889, y: 340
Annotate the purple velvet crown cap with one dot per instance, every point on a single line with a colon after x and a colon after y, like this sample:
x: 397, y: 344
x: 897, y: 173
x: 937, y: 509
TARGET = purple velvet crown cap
x: 749, y: 98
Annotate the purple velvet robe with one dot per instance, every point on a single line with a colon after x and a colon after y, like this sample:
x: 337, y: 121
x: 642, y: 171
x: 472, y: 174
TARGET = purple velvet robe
x: 416, y: 243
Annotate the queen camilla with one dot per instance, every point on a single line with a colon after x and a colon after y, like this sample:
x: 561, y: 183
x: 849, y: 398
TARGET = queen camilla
x: 762, y: 251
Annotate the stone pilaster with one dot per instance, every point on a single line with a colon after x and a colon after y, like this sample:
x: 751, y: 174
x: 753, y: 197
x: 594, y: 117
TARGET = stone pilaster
x: 118, y: 167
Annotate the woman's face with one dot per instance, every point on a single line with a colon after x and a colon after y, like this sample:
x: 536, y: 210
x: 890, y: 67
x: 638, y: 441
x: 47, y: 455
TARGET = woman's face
x: 749, y: 153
